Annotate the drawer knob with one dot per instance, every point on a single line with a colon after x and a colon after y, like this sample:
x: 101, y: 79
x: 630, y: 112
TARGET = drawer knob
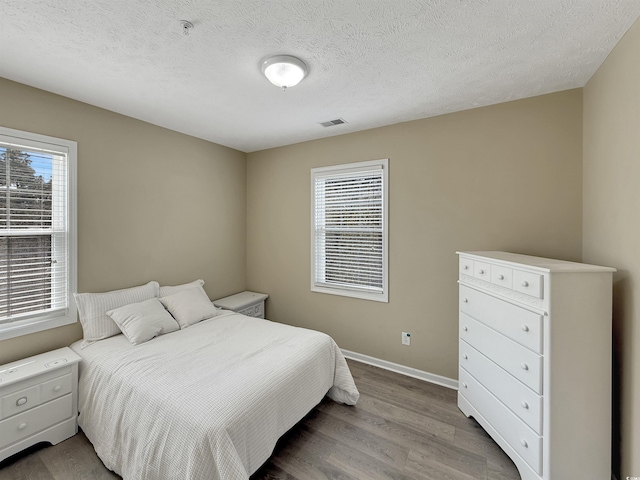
x: 21, y: 401
x: 481, y: 272
x: 500, y: 277
x: 524, y: 366
x: 464, y: 385
x: 22, y: 426
x: 525, y: 283
x: 525, y: 328
x: 525, y: 405
x: 466, y: 267
x: 466, y: 300
x: 57, y: 388
x: 465, y: 356
x: 524, y: 443
x: 465, y: 328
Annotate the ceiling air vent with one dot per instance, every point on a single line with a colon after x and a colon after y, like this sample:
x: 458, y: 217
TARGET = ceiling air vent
x: 331, y: 123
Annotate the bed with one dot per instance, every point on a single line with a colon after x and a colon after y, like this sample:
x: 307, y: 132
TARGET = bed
x: 205, y: 402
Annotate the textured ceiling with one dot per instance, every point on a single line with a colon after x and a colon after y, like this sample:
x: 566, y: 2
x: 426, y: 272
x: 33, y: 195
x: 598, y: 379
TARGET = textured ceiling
x: 372, y: 62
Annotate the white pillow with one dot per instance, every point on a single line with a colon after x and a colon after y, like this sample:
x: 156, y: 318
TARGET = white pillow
x: 142, y: 321
x: 189, y: 306
x: 170, y: 290
x: 93, y: 307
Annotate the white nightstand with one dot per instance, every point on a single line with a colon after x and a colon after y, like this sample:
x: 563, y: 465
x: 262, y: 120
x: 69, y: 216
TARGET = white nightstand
x: 247, y: 303
x: 38, y: 400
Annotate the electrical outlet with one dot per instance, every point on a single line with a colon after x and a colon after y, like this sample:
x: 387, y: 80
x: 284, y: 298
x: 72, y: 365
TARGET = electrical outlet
x: 406, y: 338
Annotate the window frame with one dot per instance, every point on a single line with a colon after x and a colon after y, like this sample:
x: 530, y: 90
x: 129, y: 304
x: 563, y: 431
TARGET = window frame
x: 346, y: 291
x: 45, y: 321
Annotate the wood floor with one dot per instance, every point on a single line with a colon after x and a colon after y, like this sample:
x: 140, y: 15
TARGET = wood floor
x: 401, y: 428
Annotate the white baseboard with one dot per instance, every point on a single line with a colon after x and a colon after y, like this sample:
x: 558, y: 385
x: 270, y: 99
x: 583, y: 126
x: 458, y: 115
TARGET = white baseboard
x: 402, y: 369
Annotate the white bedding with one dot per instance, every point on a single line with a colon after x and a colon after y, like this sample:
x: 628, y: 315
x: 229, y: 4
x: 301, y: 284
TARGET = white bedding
x: 206, y: 402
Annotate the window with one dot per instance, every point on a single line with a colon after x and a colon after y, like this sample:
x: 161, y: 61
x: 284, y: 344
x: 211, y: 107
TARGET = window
x: 37, y: 232
x: 349, y: 210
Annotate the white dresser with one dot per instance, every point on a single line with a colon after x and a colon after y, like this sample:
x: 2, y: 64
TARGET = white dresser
x: 38, y: 400
x: 535, y: 361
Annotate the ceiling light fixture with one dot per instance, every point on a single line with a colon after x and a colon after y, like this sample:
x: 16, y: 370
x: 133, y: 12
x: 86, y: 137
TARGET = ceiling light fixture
x: 284, y: 70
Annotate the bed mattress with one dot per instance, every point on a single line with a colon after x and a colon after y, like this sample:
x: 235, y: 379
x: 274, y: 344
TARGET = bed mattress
x: 206, y: 402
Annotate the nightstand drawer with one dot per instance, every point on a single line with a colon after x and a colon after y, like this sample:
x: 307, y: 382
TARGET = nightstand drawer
x: 256, y: 311
x: 32, y: 421
x: 20, y: 401
x: 35, y: 395
x: 56, y: 388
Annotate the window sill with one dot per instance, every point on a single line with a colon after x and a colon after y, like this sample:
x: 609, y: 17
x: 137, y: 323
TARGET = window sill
x: 376, y: 297
x: 17, y: 330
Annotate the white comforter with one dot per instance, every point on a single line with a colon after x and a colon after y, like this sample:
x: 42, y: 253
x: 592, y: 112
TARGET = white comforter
x: 207, y: 402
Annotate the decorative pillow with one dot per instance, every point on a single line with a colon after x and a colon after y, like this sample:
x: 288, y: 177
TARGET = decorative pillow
x: 189, y: 306
x: 93, y: 308
x: 142, y: 321
x: 170, y: 290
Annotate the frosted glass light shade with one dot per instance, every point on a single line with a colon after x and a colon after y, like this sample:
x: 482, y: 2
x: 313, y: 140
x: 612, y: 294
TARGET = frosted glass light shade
x: 284, y: 70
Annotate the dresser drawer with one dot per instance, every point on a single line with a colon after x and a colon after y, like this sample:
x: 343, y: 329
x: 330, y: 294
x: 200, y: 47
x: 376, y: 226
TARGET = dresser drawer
x: 521, y: 438
x: 527, y: 283
x: 482, y: 271
x: 32, y: 421
x: 519, y: 361
x: 466, y: 266
x: 520, y: 399
x: 519, y: 324
x: 502, y: 276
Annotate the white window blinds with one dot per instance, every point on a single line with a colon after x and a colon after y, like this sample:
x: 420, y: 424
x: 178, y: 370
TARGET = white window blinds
x: 349, y: 234
x: 35, y: 241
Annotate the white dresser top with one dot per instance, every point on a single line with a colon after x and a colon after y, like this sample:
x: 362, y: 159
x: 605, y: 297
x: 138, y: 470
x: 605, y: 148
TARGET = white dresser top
x: 536, y: 263
x: 29, y: 367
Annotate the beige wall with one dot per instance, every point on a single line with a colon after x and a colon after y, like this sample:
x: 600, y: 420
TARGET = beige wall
x: 612, y: 221
x: 152, y: 204
x: 504, y: 177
